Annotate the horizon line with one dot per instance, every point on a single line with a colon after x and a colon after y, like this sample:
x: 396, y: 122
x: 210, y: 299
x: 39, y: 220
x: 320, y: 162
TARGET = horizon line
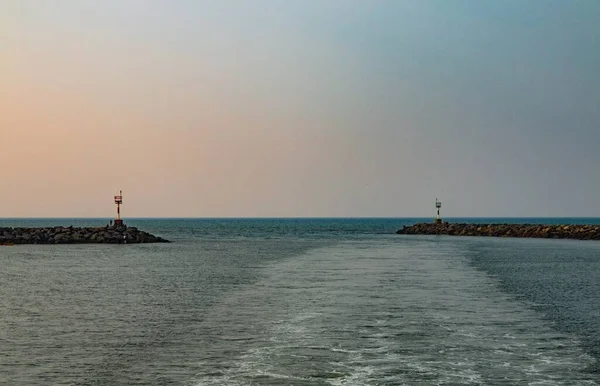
x: 290, y: 217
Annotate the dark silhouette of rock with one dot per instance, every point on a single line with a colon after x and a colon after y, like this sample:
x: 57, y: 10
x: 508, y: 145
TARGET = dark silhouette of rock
x: 579, y: 232
x: 71, y: 235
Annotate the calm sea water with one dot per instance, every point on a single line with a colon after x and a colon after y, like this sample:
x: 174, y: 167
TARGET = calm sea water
x: 300, y: 302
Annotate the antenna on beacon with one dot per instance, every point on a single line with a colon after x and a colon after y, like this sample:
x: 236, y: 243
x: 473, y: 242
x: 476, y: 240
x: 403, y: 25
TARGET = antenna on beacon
x: 119, y: 201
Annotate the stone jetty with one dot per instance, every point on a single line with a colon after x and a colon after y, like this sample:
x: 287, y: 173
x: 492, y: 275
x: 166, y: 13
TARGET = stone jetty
x: 70, y: 235
x: 579, y: 232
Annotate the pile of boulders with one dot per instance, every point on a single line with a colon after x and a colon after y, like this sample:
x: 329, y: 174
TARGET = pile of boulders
x: 70, y: 235
x: 580, y: 232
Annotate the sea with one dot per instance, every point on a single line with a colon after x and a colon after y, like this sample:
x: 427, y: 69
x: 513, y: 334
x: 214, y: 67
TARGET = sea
x: 307, y: 301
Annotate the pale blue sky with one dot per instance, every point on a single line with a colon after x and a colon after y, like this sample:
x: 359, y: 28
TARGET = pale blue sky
x: 301, y: 108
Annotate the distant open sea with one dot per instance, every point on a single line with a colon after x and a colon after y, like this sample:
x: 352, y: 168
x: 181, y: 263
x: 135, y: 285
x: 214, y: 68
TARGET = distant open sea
x: 300, y: 302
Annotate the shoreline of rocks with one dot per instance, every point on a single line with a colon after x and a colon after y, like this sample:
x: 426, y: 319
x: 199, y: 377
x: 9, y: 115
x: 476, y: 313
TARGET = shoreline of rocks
x: 76, y: 235
x: 577, y: 232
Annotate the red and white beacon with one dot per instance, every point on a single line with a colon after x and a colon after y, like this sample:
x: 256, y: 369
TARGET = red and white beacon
x: 119, y: 201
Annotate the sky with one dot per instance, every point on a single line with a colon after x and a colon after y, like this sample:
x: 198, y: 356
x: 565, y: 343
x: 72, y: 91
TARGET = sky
x: 299, y: 108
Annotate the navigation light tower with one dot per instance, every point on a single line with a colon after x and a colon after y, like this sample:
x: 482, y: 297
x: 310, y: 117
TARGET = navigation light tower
x: 438, y: 205
x: 119, y: 201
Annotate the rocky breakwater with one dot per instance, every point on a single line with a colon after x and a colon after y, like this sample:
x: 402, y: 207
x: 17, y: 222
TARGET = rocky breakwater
x: 579, y: 232
x: 71, y: 235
